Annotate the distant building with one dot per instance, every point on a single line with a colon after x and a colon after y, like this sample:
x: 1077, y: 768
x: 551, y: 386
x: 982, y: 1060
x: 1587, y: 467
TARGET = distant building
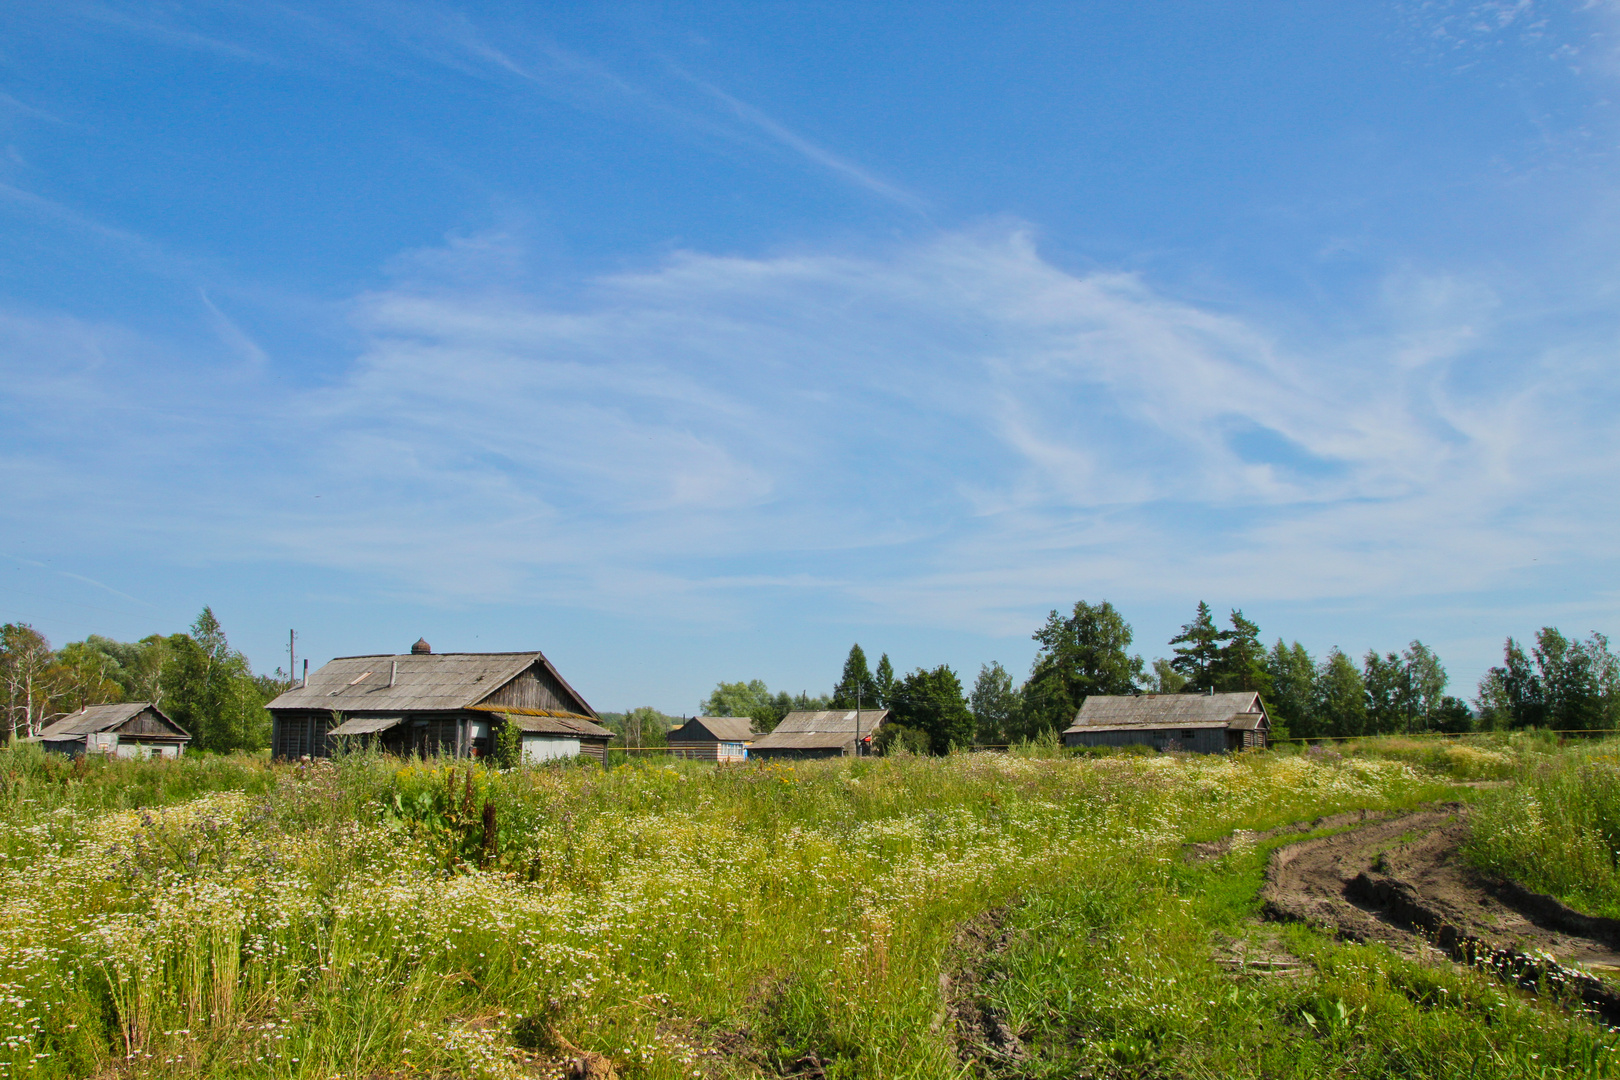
x: 821, y: 734
x: 1200, y: 723
x: 713, y: 738
x: 129, y: 729
x: 424, y: 702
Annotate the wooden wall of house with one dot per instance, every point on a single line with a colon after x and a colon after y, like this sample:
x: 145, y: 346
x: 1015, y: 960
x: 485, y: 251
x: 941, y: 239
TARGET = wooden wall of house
x: 146, y: 722
x: 1202, y: 740
x: 300, y: 734
x: 534, y: 688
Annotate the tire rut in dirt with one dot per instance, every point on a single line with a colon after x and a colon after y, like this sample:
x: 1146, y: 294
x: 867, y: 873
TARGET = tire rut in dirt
x: 981, y: 1036
x: 1403, y: 882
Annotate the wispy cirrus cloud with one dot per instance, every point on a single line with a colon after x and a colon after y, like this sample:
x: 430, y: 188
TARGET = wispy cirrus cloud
x: 948, y: 433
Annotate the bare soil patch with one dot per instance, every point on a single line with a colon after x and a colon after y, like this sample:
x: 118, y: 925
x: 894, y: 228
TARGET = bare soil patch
x: 1402, y: 881
x: 981, y: 1035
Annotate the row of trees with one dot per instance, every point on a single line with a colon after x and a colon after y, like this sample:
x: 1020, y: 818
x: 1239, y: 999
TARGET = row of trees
x: 196, y: 678
x: 1558, y: 683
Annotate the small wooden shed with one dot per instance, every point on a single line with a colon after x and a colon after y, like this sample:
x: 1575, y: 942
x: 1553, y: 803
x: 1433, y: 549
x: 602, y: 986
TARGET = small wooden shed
x: 424, y: 702
x: 128, y: 729
x: 1200, y: 723
x: 713, y: 738
x: 832, y: 733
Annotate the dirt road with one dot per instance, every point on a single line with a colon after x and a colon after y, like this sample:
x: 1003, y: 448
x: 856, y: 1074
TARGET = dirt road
x: 1402, y: 881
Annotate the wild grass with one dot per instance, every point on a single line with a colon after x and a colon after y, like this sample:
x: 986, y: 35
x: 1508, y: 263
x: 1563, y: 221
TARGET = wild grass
x: 1557, y: 830
x: 366, y: 917
x: 1483, y: 756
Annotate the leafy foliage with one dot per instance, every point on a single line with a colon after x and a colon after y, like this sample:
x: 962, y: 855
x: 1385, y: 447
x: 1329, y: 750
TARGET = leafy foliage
x: 994, y: 704
x: 1564, y: 684
x: 931, y: 702
x: 1083, y: 654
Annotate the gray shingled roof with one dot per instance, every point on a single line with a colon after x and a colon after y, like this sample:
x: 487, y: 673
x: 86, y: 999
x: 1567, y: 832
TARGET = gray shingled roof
x: 425, y: 682
x: 821, y: 730
x: 803, y: 740
x: 832, y: 720
x: 556, y: 725
x: 715, y: 728
x: 1104, y: 712
x: 97, y: 718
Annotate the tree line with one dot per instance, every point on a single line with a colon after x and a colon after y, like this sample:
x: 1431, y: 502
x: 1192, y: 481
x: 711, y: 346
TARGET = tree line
x: 1558, y: 683
x: 196, y: 678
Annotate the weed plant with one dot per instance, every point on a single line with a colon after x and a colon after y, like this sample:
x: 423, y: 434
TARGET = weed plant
x: 1557, y: 829
x: 366, y: 917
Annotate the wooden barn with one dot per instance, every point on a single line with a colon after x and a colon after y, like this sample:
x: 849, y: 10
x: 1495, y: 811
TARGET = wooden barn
x: 1200, y: 723
x: 835, y: 733
x: 713, y: 738
x: 424, y: 702
x: 129, y: 729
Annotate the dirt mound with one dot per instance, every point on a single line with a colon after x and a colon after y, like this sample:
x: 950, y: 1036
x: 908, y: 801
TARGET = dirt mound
x: 1403, y: 882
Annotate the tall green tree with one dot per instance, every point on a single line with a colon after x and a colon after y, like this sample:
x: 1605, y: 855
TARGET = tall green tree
x: 211, y: 691
x: 1293, y: 690
x: 1389, y: 693
x: 931, y: 701
x: 1198, y: 656
x: 1340, y: 698
x: 1576, y: 679
x: 1241, y: 662
x: 856, y: 685
x: 884, y: 679
x: 1510, y: 695
x: 994, y: 704
x: 1081, y: 655
x: 1427, y: 678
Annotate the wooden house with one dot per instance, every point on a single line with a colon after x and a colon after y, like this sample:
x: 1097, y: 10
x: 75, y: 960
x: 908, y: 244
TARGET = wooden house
x: 424, y: 702
x: 129, y: 729
x: 713, y: 738
x: 834, y: 733
x: 1200, y: 723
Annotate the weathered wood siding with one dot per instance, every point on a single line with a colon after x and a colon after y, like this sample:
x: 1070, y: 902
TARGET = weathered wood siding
x: 146, y: 722
x: 299, y: 734
x: 534, y: 688
x: 707, y: 750
x: 1195, y: 740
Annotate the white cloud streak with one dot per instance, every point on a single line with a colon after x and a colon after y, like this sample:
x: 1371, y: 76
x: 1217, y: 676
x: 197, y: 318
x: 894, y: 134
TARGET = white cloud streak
x: 948, y: 434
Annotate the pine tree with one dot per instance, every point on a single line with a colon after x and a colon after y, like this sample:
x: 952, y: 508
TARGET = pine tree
x: 856, y: 687
x: 1203, y: 649
x: 1241, y: 662
x: 884, y: 680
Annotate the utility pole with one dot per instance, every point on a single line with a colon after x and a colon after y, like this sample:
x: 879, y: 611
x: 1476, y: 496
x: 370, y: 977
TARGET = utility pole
x: 858, y: 689
x: 292, y: 657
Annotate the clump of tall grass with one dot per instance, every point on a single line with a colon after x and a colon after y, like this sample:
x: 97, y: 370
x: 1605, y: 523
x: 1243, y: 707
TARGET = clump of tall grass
x: 1558, y: 829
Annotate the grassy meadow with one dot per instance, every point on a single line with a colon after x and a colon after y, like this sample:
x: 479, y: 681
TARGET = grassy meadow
x: 221, y: 916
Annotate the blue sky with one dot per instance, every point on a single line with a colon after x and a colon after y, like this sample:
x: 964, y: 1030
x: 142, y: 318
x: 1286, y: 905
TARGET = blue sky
x: 691, y: 342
